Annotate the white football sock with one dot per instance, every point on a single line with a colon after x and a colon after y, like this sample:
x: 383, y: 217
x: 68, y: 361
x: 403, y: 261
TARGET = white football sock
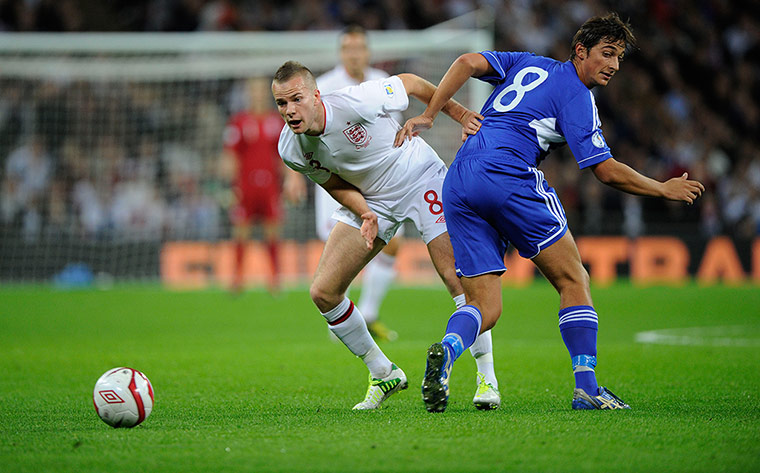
x: 482, y: 351
x: 347, y: 323
x: 378, y: 276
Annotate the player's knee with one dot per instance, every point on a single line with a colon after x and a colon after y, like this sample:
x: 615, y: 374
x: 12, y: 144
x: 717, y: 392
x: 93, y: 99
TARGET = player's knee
x: 490, y: 311
x: 322, y: 298
x: 578, y: 279
x: 317, y: 295
x: 490, y: 317
x: 581, y: 278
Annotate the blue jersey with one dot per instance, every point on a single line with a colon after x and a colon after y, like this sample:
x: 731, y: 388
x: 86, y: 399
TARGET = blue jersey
x: 538, y: 104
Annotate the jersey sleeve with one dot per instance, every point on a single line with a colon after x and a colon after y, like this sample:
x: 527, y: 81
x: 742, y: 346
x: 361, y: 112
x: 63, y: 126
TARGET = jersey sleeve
x: 501, y: 62
x: 580, y: 123
x: 293, y: 158
x: 373, y: 98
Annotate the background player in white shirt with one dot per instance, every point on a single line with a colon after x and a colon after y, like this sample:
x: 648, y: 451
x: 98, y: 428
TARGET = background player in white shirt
x: 380, y: 272
x: 344, y: 142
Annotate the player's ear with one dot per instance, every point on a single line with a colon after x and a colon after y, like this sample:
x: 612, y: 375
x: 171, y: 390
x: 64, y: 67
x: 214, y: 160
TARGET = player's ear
x: 581, y: 51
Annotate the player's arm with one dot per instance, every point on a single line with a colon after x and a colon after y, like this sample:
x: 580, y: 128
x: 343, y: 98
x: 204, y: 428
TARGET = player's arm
x: 624, y: 178
x: 228, y: 165
x: 293, y: 185
x: 423, y: 91
x: 350, y: 197
x: 466, y: 66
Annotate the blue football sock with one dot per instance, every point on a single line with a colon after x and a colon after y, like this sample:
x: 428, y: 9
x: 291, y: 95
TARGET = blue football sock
x: 578, y: 326
x: 462, y: 330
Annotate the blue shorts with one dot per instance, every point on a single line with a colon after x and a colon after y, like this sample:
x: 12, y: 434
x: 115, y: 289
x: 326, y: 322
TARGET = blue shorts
x: 491, y: 201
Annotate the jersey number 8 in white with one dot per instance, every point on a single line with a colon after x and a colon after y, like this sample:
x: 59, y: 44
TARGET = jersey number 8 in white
x: 519, y: 88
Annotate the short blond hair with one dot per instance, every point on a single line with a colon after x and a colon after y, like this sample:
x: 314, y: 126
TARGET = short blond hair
x: 294, y: 68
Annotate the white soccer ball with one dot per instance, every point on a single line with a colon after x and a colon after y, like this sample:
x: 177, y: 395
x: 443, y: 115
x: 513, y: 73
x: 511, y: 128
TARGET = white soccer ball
x: 123, y: 397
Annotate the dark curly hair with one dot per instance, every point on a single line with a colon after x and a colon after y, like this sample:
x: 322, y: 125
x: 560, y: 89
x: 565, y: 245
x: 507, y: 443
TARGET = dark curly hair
x: 608, y: 28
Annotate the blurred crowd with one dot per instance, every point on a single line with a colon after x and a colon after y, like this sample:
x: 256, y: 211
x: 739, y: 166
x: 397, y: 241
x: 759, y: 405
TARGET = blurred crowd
x: 687, y: 100
x: 124, y: 161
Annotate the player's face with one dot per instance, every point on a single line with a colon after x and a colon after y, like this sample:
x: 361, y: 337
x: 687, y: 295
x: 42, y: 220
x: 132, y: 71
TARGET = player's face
x: 299, y: 105
x: 600, y: 63
x: 258, y: 94
x: 354, y: 54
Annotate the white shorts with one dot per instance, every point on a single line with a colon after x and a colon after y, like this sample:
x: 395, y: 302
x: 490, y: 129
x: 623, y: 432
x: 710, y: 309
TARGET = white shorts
x: 324, y: 209
x: 421, y: 205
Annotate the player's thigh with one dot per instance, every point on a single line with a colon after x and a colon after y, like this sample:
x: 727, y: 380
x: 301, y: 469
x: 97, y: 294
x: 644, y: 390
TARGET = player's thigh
x: 561, y: 264
x: 344, y: 255
x: 442, y: 256
x: 391, y: 249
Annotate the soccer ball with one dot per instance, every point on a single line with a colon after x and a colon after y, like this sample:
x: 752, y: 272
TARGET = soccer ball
x: 123, y: 397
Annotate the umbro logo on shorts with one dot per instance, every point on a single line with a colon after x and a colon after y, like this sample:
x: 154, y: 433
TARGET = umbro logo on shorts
x: 441, y: 219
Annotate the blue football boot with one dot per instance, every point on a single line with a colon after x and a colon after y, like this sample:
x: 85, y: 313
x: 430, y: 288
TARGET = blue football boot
x: 606, y: 399
x: 435, y: 384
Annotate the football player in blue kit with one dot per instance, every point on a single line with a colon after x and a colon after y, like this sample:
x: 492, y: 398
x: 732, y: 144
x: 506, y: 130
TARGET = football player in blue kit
x: 494, y: 194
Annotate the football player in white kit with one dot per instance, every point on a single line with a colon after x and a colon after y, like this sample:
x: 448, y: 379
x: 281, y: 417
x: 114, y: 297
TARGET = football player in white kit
x: 380, y: 272
x: 344, y: 142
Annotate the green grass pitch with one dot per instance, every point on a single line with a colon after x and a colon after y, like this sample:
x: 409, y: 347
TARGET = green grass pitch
x: 253, y: 384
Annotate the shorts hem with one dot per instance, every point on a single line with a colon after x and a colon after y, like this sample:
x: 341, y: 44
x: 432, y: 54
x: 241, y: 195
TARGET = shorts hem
x: 474, y: 275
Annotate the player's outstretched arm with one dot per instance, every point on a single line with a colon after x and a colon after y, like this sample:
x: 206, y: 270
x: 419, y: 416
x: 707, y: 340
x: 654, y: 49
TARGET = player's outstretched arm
x: 423, y: 91
x: 466, y: 66
x: 351, y: 198
x: 624, y: 178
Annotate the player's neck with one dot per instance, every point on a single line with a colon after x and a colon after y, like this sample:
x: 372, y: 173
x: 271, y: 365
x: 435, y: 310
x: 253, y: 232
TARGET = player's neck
x: 320, y: 122
x: 579, y: 71
x: 358, y: 76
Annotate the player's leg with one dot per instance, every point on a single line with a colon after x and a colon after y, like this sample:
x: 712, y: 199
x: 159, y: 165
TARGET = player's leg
x: 242, y: 214
x: 271, y: 214
x: 442, y: 256
x: 462, y: 331
x: 578, y: 322
x: 378, y: 276
x: 241, y: 231
x: 271, y: 231
x: 487, y: 395
x: 344, y: 255
x: 464, y: 325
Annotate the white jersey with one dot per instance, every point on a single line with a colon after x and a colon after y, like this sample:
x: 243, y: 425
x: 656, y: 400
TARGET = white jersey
x: 337, y: 78
x: 357, y: 145
x: 332, y: 80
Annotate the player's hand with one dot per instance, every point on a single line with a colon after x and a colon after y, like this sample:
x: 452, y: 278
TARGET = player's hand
x: 471, y: 122
x: 369, y: 228
x: 683, y: 189
x: 411, y: 128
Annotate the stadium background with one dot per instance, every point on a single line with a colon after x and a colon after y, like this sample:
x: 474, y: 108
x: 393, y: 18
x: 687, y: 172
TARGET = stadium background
x: 106, y: 179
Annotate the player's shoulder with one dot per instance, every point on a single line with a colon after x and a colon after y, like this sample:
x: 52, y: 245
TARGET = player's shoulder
x: 287, y: 141
x: 335, y: 71
x: 333, y: 79
x: 373, y: 73
x: 571, y: 86
x: 547, y: 63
